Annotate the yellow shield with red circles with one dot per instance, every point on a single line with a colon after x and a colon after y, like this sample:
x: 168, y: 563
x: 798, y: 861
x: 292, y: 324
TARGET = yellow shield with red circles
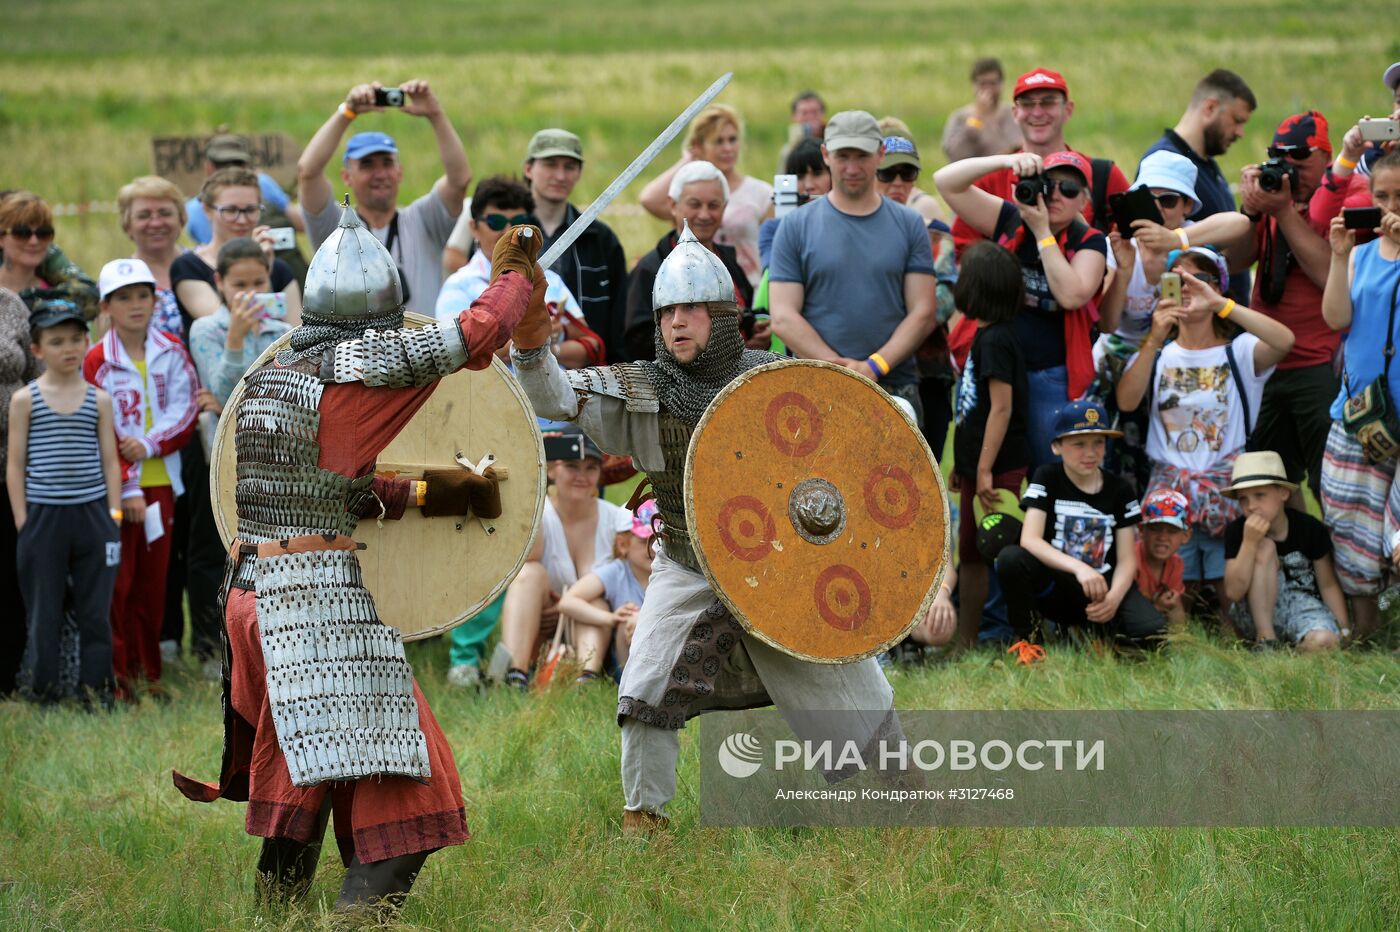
x: 817, y: 511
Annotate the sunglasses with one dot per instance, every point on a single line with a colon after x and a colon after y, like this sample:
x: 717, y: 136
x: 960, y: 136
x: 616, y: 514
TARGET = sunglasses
x: 25, y: 231
x: 906, y: 173
x: 1292, y: 153
x: 1169, y: 201
x: 1069, y: 189
x: 229, y: 213
x: 499, y: 222
x: 1210, y: 278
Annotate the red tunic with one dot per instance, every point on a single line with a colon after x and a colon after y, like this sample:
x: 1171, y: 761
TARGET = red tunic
x: 382, y: 817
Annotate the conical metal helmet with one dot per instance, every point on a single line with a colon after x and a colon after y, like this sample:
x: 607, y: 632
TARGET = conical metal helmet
x: 352, y: 276
x: 691, y: 274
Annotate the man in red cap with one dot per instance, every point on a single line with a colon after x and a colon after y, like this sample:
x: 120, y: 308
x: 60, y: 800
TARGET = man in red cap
x: 1291, y: 248
x: 1041, y: 106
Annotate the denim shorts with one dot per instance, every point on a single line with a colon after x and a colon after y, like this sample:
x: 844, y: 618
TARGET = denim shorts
x: 1203, y: 555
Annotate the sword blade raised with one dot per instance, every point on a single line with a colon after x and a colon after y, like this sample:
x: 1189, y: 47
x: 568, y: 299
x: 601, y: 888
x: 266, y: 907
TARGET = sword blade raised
x: 576, y: 228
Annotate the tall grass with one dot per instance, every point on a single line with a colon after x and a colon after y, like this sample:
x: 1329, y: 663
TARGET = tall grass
x: 93, y: 835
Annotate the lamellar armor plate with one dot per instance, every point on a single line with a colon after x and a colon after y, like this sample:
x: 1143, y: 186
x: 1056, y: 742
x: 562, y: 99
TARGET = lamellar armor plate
x: 427, y: 574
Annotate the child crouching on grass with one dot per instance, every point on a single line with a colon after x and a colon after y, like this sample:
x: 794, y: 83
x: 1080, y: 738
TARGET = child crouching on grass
x: 1278, y: 563
x: 1160, y: 568
x: 65, y: 489
x: 604, y: 604
x: 1077, y: 561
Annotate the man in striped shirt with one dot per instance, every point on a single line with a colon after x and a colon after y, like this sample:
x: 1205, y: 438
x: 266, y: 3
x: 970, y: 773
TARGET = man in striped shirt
x: 64, y: 482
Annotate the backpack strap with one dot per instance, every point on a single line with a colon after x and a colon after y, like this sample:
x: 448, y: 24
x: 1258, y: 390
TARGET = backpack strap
x: 1099, y: 195
x: 1239, y: 386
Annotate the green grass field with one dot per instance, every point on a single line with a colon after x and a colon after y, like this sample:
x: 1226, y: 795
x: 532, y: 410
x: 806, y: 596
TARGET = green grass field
x: 93, y: 835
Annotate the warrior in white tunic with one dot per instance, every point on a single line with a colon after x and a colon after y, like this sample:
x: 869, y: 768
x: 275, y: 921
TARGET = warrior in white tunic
x: 688, y: 654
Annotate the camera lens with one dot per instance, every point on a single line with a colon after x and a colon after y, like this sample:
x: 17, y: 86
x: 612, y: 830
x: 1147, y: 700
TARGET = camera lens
x: 1027, y: 189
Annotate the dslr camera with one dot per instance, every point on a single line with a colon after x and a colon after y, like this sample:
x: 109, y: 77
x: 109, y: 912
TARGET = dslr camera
x: 1028, y: 189
x: 1272, y: 173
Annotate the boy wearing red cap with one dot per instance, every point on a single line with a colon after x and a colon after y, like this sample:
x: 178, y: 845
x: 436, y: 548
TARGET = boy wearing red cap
x: 1160, y: 569
x: 1041, y: 106
x: 1291, y: 248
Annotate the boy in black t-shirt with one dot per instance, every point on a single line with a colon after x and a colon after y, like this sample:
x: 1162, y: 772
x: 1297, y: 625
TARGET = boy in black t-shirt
x: 1077, y: 560
x: 989, y: 445
x: 1278, y: 562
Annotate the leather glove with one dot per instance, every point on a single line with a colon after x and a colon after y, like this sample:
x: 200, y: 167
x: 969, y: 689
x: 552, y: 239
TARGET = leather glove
x: 516, y: 252
x: 535, y: 328
x: 454, y: 491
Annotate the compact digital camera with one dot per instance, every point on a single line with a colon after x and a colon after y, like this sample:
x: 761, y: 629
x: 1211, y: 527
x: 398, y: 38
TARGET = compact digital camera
x: 388, y: 97
x: 283, y: 238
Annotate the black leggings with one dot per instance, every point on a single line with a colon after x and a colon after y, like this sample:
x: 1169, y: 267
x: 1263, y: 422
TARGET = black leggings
x: 1029, y: 584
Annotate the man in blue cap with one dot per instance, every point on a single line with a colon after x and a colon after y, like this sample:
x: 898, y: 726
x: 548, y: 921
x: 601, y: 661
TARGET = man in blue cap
x: 414, y: 235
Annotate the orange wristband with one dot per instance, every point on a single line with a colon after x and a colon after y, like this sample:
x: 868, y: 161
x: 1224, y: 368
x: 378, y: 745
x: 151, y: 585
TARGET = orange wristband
x: 346, y: 112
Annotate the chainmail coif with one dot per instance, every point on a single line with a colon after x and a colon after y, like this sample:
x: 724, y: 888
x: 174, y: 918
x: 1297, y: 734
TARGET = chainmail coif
x: 317, y: 334
x: 686, y: 389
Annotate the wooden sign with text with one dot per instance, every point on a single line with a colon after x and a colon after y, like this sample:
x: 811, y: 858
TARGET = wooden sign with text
x: 181, y: 158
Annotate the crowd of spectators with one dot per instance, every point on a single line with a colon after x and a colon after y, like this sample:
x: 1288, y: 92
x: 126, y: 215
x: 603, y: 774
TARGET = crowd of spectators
x: 1176, y: 376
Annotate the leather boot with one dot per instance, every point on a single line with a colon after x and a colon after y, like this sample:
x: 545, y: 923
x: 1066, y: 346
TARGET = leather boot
x: 379, y: 889
x: 641, y: 822
x: 286, y: 868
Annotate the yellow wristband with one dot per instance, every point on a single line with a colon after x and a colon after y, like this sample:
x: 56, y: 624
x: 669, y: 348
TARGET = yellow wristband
x: 1047, y: 242
x: 1181, y: 235
x: 975, y: 123
x: 117, y: 514
x: 346, y: 112
x: 1225, y: 311
x: 880, y: 363
x: 420, y: 493
x: 1345, y: 162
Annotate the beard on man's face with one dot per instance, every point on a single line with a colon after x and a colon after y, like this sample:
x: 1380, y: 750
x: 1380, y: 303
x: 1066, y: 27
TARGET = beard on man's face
x: 1214, y: 139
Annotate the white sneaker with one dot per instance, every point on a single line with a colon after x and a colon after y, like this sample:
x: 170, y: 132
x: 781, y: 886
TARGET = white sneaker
x: 169, y: 651
x: 465, y: 676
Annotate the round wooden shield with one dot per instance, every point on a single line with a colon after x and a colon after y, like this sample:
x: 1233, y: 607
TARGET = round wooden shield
x: 817, y: 511
x: 428, y: 575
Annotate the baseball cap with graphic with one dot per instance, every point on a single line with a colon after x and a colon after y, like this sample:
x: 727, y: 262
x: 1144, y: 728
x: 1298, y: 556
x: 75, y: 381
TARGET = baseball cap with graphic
x: 1040, y: 79
x: 900, y: 151
x: 642, y: 519
x: 1165, y: 506
x: 1083, y: 417
x: 996, y: 532
x: 1072, y: 160
x: 122, y: 272
x: 50, y: 307
x: 1302, y: 131
x: 551, y: 142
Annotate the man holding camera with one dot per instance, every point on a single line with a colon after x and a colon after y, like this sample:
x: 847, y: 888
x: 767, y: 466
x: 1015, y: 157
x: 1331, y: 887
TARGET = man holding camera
x: 1041, y: 105
x: 852, y: 278
x: 414, y: 235
x: 1294, y: 257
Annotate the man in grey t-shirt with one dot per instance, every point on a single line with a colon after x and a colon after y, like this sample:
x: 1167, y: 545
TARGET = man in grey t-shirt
x: 851, y: 279
x: 414, y: 235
